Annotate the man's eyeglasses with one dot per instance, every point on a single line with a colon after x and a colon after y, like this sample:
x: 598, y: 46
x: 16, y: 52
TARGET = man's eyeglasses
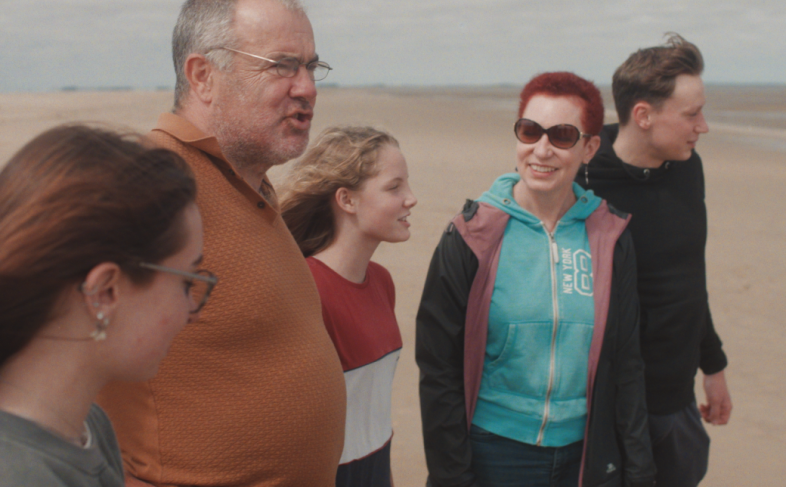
x: 199, y: 284
x: 563, y: 136
x: 289, y: 66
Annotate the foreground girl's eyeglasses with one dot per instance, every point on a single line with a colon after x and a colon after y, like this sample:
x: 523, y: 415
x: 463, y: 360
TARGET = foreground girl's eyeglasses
x: 199, y: 283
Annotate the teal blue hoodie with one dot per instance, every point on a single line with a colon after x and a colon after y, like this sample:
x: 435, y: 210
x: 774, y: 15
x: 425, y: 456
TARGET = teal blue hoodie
x: 534, y: 383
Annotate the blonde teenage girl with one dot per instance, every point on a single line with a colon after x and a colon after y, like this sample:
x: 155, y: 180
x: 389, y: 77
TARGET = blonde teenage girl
x: 349, y: 193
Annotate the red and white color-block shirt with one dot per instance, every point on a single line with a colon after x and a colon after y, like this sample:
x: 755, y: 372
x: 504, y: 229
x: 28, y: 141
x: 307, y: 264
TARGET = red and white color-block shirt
x: 360, y: 320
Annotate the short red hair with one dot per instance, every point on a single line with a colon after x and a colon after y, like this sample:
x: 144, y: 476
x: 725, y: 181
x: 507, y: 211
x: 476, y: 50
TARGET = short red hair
x: 568, y: 84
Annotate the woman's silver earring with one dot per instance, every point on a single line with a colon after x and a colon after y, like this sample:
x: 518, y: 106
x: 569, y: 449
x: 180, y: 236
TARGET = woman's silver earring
x: 99, y: 333
x: 586, y: 174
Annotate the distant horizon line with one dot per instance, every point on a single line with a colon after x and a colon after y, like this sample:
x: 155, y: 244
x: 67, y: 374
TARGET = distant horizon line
x: 73, y: 88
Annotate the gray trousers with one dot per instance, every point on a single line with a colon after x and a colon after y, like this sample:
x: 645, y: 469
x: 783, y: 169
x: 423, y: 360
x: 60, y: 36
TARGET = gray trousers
x: 680, y: 446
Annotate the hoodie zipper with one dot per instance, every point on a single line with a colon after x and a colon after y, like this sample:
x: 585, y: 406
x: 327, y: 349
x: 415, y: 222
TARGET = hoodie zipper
x: 554, y: 258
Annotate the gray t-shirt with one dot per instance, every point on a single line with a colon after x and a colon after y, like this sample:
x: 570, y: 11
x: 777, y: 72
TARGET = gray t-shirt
x: 31, y: 456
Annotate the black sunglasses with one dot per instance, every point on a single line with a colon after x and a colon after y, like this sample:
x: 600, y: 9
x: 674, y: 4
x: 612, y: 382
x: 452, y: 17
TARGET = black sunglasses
x: 562, y: 136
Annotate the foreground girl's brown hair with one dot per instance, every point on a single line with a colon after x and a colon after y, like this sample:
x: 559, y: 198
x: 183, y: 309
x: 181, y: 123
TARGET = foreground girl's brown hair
x: 341, y: 157
x: 72, y: 198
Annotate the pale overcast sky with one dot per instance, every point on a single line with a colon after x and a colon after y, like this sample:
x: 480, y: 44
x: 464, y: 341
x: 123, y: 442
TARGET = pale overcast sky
x: 49, y: 44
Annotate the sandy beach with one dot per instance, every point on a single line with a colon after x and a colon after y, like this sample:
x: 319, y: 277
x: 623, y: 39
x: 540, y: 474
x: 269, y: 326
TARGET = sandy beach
x: 457, y: 141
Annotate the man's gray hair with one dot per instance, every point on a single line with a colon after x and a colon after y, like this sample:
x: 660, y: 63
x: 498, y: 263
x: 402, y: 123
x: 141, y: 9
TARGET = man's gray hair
x: 203, y: 27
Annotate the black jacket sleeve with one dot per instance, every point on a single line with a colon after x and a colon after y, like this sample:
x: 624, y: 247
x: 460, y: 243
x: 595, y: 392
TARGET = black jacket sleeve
x: 711, y: 356
x: 711, y: 359
x: 439, y: 352
x: 631, y: 406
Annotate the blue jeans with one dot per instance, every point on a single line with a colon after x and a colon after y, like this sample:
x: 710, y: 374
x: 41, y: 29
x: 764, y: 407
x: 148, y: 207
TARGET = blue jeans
x: 501, y: 462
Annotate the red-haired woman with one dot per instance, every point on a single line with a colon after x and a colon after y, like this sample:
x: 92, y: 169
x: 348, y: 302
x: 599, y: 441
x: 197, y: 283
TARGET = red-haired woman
x: 99, y: 243
x: 527, y: 332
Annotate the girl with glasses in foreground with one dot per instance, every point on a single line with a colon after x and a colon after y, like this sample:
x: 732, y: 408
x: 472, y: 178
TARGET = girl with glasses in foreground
x: 99, y: 242
x: 349, y: 193
x: 528, y: 331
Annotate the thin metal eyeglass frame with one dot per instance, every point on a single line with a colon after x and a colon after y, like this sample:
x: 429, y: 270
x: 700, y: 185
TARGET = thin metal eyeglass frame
x: 322, y: 64
x: 210, y: 279
x: 546, y: 132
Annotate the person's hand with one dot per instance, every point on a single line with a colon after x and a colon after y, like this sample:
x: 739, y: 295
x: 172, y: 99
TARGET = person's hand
x: 718, y: 408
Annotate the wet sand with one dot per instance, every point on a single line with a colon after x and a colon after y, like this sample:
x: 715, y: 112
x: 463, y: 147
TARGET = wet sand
x: 457, y: 141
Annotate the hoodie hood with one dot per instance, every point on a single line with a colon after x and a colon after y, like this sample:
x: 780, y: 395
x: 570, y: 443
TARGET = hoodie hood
x: 500, y: 195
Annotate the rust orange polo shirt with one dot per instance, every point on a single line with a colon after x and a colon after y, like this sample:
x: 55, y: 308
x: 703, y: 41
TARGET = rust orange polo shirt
x: 252, y: 394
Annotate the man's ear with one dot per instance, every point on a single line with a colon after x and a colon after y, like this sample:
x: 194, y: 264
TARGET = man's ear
x: 345, y: 200
x: 101, y: 288
x: 200, y: 74
x: 640, y: 115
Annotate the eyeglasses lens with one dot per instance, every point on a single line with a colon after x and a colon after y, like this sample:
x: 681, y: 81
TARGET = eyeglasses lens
x: 528, y: 131
x: 199, y: 292
x: 287, y: 67
x: 318, y: 71
x: 563, y: 136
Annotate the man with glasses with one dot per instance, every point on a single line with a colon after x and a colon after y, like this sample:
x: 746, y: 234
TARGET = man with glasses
x: 252, y: 393
x: 647, y: 166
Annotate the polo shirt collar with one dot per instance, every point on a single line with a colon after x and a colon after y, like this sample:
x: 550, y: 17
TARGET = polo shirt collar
x: 186, y: 132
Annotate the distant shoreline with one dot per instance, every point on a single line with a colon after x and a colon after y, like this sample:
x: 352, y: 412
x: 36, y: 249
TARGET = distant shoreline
x: 754, y: 113
x: 453, y: 87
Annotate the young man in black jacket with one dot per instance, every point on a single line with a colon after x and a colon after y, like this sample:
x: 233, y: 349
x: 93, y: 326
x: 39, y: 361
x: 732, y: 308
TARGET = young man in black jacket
x: 647, y: 166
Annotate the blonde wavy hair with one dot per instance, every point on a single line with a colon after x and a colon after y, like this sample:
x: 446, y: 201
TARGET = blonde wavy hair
x: 341, y: 157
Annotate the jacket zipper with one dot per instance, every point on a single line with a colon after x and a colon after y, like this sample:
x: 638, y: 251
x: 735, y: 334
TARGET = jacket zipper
x: 554, y: 258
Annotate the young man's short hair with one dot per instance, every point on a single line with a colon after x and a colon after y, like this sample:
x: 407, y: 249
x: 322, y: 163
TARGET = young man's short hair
x: 650, y: 74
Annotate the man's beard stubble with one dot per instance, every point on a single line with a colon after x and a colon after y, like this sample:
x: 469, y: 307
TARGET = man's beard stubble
x: 245, y: 148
